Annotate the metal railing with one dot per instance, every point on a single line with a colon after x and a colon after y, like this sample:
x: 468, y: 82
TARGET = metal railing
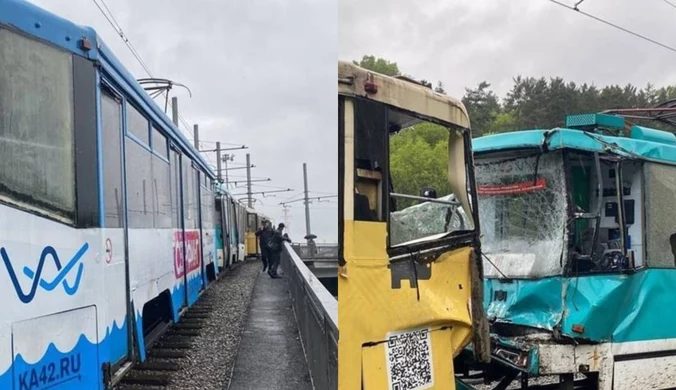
x: 317, y: 316
x: 321, y: 251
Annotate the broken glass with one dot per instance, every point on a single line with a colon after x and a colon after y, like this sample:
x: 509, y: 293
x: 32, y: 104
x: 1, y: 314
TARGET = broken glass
x: 427, y: 219
x: 523, y: 212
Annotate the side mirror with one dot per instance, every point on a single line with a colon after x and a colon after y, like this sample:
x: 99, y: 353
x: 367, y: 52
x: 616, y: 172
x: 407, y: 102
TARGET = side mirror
x: 427, y: 192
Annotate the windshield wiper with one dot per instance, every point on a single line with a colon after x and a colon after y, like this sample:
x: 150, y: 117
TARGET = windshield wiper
x: 432, y: 200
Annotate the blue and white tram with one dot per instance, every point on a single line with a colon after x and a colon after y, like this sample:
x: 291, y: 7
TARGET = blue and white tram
x: 107, y: 215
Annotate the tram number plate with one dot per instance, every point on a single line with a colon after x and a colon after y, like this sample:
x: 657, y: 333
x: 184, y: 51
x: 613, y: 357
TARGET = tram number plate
x: 51, y: 374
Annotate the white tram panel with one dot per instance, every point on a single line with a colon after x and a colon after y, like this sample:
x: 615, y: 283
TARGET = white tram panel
x: 71, y: 283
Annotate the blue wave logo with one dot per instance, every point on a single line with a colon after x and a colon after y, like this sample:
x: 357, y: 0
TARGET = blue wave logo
x: 36, y: 276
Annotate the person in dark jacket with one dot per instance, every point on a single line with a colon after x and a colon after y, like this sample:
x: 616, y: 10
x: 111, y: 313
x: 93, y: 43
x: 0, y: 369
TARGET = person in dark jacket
x: 264, y: 236
x: 276, y: 246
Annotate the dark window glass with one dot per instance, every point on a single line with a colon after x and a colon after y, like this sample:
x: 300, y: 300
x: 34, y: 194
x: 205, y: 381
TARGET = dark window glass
x: 36, y: 125
x: 140, y: 200
x: 111, y: 116
x: 137, y: 124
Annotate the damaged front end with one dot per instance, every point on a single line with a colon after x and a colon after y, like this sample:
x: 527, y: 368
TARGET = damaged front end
x: 558, y: 219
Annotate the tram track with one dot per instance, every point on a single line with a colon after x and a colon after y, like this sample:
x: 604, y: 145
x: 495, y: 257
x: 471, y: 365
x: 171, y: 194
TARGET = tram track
x: 168, y: 344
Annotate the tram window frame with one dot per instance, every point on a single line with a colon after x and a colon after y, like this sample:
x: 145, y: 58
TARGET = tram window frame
x: 188, y: 181
x: 135, y: 129
x: 379, y: 171
x: 54, y: 193
x: 113, y: 166
x: 375, y: 146
x: 660, y: 252
x: 634, y: 250
x: 196, y: 195
x: 138, y: 179
x: 160, y: 143
x: 175, y: 167
x: 161, y: 192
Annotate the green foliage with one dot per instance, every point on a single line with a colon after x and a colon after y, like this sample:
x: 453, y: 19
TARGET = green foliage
x: 383, y: 66
x: 483, y: 106
x: 418, y: 155
x: 418, y: 158
x: 379, y: 65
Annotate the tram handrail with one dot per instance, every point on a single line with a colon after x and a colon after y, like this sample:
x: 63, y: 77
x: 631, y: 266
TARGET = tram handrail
x: 317, y: 317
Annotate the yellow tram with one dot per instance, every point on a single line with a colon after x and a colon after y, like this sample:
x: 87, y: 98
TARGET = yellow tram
x: 254, y: 221
x: 409, y: 283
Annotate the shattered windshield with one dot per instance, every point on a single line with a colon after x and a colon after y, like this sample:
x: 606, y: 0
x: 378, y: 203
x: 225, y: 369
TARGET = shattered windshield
x: 522, y: 211
x: 427, y: 219
x: 422, y: 204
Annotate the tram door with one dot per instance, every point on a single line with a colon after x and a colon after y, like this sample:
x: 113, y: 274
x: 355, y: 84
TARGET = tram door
x: 177, y: 195
x: 225, y: 230
x: 115, y: 240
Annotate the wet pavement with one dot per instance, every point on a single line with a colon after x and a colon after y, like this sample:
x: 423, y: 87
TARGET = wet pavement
x: 270, y: 353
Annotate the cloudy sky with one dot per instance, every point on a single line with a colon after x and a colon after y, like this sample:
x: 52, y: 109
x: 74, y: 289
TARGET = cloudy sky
x: 262, y: 73
x: 462, y: 42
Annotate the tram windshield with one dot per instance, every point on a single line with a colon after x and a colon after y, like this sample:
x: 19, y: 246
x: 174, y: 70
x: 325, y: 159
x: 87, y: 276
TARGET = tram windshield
x: 422, y: 205
x: 523, y: 212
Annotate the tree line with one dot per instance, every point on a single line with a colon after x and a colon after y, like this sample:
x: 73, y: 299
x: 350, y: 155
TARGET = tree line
x: 418, y: 155
x: 538, y: 103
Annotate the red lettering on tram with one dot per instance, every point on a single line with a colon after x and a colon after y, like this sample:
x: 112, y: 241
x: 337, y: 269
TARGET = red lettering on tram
x: 192, y: 252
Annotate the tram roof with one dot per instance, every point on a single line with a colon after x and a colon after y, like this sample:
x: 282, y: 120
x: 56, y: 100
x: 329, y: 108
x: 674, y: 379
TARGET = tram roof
x: 564, y: 138
x: 397, y: 92
x: 35, y: 21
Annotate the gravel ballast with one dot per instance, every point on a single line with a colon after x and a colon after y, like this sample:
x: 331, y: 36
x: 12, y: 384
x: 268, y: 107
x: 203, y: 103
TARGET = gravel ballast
x: 208, y: 363
x: 210, y: 360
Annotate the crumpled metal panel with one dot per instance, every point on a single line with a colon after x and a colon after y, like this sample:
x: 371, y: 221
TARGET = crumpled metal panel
x: 575, y: 139
x: 622, y: 308
x: 532, y: 303
x: 609, y: 307
x: 375, y: 301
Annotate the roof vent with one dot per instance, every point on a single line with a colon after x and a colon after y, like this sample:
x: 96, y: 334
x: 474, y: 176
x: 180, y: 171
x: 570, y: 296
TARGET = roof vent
x: 652, y: 135
x: 595, y: 122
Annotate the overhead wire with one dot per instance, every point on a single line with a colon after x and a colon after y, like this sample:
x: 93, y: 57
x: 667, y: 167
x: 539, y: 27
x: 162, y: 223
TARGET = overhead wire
x: 118, y: 29
x: 110, y: 17
x: 665, y: 46
x: 670, y: 3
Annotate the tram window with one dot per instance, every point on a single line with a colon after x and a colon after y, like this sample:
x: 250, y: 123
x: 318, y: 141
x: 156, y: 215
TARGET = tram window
x: 419, y: 170
x: 251, y: 225
x: 140, y: 199
x: 137, y: 124
x: 660, y: 193
x: 189, y: 198
x: 175, y: 186
x: 162, y: 193
x: 370, y: 151
x: 159, y: 143
x: 36, y: 125
x: 196, y: 195
x: 111, y: 118
x: 523, y: 211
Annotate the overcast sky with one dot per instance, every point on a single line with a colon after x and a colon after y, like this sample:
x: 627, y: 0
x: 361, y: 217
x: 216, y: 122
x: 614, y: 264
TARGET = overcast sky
x: 462, y: 42
x: 262, y: 73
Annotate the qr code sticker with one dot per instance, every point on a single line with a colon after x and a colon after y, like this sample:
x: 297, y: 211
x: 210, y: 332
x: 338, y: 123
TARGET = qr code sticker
x: 409, y: 360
